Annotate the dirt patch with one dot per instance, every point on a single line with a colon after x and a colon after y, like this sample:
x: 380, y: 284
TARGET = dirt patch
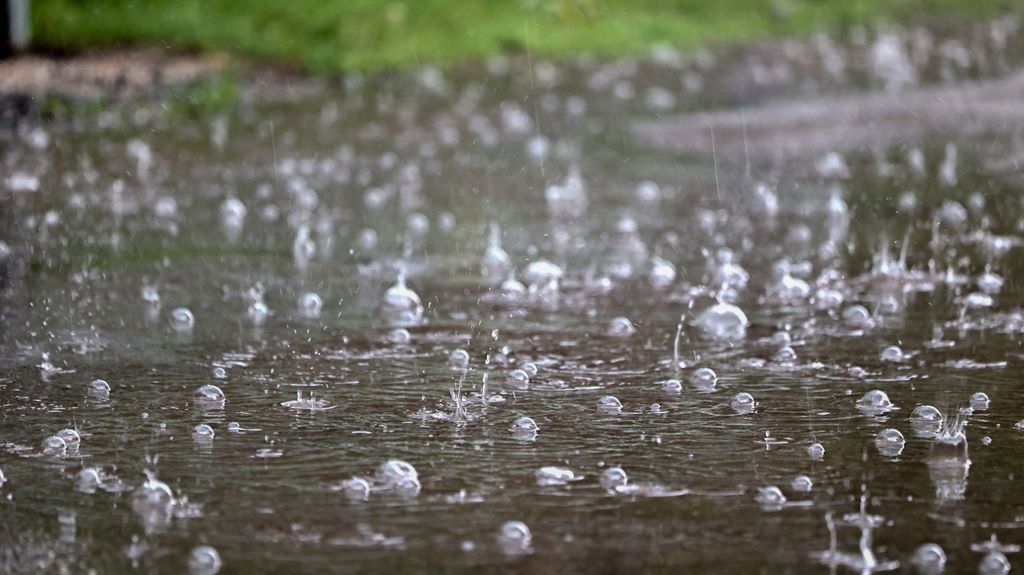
x: 105, y: 74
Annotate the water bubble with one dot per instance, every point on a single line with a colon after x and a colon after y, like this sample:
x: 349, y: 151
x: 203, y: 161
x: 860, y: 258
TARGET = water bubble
x: 234, y: 427
x: 929, y: 559
x: 399, y: 336
x: 802, y: 484
x: 204, y: 560
x: 219, y: 373
x: 54, y: 446
x: 672, y: 386
x: 182, y: 320
x: 70, y: 437
x: 857, y: 316
x: 614, y: 478
x: 979, y: 401
x: 827, y: 298
x: 518, y: 378
x: 892, y: 353
x: 609, y: 403
x: 459, y: 359
x: 202, y: 432
x: 875, y: 401
x: 551, y: 475
x: 99, y: 388
x: 786, y: 355
x: 621, y: 327
x: 88, y: 479
x: 926, y: 416
x: 781, y: 339
x: 890, y: 442
x: 356, y: 488
x: 514, y: 537
x: 704, y: 379
x: 310, y: 305
x: 770, y: 498
x: 816, y: 451
x: 401, y: 304
x: 524, y: 424
x: 529, y: 367
x: 395, y: 472
x: 994, y: 563
x: 723, y: 321
x: 209, y: 395
x: 743, y: 402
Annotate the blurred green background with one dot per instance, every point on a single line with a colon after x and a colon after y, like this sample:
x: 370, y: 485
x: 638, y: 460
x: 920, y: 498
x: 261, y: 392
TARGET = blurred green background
x: 328, y: 36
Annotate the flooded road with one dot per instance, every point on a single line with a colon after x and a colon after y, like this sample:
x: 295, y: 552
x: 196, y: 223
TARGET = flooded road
x: 715, y: 359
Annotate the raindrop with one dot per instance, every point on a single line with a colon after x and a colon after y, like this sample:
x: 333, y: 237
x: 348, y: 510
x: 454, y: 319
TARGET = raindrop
x: 609, y: 403
x: 672, y: 386
x: 202, y: 433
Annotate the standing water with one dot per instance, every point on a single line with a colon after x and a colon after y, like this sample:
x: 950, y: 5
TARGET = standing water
x: 392, y: 327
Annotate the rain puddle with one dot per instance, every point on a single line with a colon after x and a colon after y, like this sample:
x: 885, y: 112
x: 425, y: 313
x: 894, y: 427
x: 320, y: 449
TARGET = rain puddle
x: 527, y: 315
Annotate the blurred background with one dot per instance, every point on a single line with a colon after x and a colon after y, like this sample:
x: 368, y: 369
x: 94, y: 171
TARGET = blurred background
x: 325, y: 37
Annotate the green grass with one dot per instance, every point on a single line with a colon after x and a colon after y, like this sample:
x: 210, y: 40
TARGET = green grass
x: 330, y: 35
